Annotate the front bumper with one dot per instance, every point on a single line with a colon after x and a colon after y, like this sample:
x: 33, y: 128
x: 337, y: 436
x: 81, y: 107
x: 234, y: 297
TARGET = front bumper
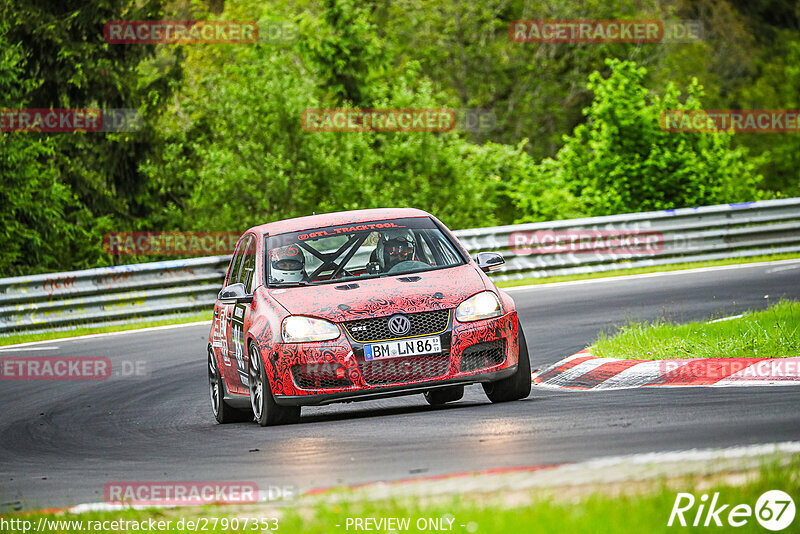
x: 470, y: 354
x: 320, y: 399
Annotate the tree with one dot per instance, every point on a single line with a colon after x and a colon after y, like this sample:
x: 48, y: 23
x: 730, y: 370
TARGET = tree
x: 621, y: 161
x: 33, y: 202
x: 69, y: 65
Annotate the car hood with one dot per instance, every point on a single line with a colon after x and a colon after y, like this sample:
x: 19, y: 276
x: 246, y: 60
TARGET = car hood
x: 378, y: 297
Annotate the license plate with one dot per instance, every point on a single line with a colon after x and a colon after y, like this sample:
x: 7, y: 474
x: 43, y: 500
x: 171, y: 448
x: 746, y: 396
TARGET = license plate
x: 404, y: 347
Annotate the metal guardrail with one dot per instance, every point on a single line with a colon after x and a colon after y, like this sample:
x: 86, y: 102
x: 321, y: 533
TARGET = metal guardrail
x: 681, y: 236
x: 109, y: 294
x: 576, y: 246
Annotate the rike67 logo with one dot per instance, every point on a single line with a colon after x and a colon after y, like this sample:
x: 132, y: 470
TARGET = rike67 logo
x: 774, y: 510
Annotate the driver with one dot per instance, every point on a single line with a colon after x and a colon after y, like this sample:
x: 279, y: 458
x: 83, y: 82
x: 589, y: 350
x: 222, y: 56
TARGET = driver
x: 288, y: 265
x: 394, y: 248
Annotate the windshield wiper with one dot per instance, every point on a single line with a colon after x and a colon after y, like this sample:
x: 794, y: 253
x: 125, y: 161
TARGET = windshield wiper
x: 290, y: 284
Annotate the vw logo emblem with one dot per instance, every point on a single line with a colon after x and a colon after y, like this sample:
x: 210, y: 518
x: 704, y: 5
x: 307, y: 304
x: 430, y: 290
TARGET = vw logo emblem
x: 399, y: 325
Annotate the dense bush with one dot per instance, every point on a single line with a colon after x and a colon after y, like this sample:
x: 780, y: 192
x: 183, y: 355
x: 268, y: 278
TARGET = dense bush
x: 221, y: 145
x: 621, y: 160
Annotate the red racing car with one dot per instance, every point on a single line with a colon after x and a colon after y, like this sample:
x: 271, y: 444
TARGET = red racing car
x: 359, y: 305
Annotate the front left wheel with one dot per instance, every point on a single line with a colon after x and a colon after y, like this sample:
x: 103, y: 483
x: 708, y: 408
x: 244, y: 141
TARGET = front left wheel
x: 518, y: 385
x: 223, y: 412
x: 265, y: 410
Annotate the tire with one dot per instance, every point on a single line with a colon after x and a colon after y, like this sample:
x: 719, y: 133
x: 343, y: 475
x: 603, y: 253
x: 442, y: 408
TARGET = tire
x: 265, y: 411
x: 436, y: 397
x: 223, y: 412
x: 518, y: 385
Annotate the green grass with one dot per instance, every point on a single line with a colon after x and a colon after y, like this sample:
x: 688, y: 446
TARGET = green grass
x: 81, y: 331
x: 628, y: 508
x: 644, y: 270
x: 772, y: 333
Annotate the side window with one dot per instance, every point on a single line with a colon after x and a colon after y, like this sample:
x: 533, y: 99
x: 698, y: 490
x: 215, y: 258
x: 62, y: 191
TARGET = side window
x: 424, y: 252
x: 236, y: 263
x: 247, y: 275
x: 364, y: 254
x: 449, y: 257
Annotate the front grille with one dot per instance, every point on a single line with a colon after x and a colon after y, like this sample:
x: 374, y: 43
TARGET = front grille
x: 318, y: 376
x: 408, y: 369
x: 422, y: 324
x: 483, y: 355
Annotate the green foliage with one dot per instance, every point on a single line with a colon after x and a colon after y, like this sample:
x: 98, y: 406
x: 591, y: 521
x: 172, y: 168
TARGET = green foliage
x: 622, y: 161
x: 346, y: 51
x: 88, y: 183
x: 32, y: 199
x: 221, y: 145
x: 777, y: 87
x: 249, y: 161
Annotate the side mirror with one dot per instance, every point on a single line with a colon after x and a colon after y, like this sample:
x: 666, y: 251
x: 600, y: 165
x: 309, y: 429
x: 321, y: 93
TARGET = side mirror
x: 233, y: 294
x: 489, y: 261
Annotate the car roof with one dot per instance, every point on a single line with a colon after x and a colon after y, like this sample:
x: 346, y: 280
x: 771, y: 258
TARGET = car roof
x: 310, y: 222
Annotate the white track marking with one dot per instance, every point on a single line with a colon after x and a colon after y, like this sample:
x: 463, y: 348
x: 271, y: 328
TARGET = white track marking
x: 779, y: 269
x: 651, y: 371
x: 781, y: 371
x: 12, y: 349
x: 650, y: 275
x: 106, y: 334
x: 726, y: 318
x: 579, y: 370
x: 550, y: 367
x: 694, y: 454
x: 636, y: 376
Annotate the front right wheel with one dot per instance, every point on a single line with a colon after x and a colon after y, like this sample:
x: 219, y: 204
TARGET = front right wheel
x: 518, y: 385
x: 265, y: 410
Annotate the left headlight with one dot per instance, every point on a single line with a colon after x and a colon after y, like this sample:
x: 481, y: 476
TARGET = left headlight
x: 299, y: 329
x: 484, y: 305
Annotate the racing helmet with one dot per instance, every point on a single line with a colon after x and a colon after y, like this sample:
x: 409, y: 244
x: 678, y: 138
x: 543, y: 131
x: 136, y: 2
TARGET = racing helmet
x: 394, y: 247
x: 287, y: 264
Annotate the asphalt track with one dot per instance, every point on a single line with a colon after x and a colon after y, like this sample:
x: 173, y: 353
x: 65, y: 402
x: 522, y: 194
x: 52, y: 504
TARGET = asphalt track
x: 61, y: 442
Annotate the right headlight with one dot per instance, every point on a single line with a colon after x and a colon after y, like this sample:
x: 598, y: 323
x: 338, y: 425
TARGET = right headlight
x: 300, y: 329
x: 484, y: 305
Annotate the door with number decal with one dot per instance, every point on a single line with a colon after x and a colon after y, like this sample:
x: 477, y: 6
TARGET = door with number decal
x: 239, y: 313
x: 225, y: 336
x: 221, y: 325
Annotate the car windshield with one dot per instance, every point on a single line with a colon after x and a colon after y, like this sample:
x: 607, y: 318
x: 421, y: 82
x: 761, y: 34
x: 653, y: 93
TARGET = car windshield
x: 358, y: 251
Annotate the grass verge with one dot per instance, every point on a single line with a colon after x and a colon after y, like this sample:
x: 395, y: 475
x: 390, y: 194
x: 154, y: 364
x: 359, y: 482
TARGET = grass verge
x: 608, y: 508
x: 81, y: 331
x: 772, y: 333
x: 645, y: 270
